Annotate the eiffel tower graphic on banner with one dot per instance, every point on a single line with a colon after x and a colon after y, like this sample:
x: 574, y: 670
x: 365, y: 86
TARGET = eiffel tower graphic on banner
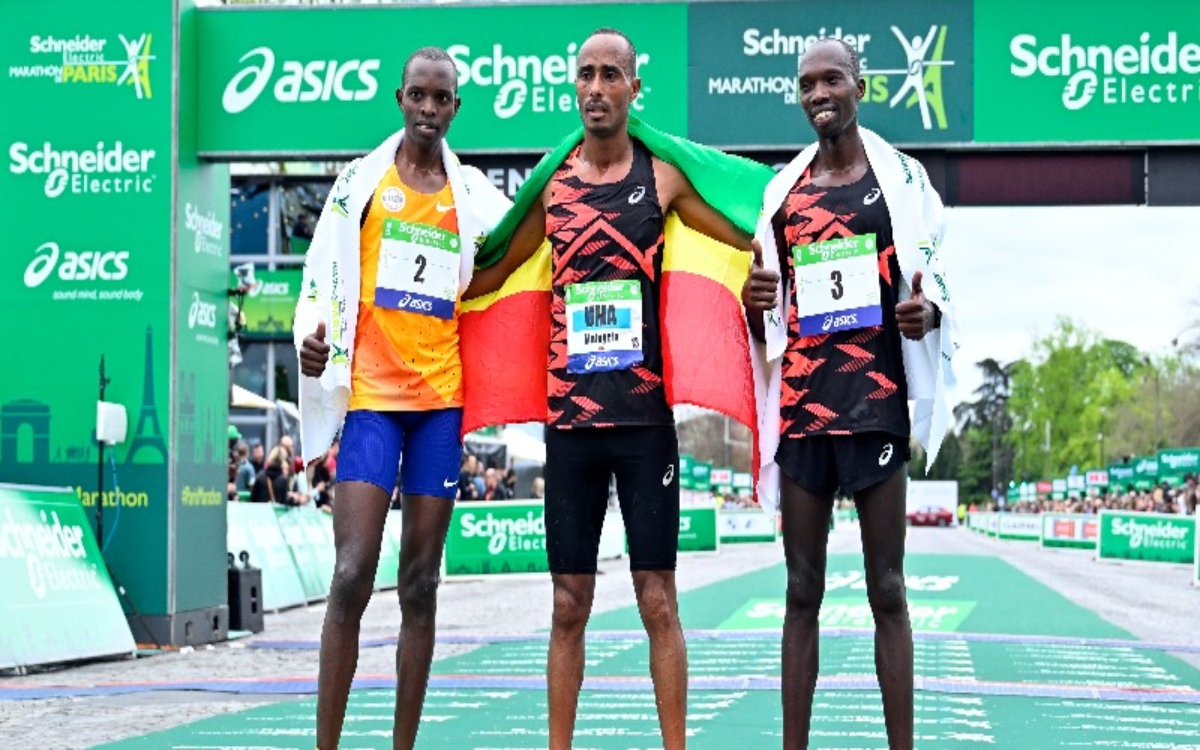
x: 148, y: 417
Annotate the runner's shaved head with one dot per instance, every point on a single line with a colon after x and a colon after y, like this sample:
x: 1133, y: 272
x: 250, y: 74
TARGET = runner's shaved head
x: 433, y: 54
x: 853, y: 65
x: 630, y: 60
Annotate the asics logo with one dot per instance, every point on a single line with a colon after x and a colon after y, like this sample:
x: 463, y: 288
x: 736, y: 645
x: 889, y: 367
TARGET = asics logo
x: 636, y: 196
x: 595, y: 361
x: 886, y: 456
x: 872, y: 196
x: 827, y: 323
x: 669, y: 475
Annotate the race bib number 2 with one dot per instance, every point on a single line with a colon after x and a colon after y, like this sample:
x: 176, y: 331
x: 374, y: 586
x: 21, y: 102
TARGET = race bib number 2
x: 604, y: 326
x: 837, y: 285
x: 418, y: 269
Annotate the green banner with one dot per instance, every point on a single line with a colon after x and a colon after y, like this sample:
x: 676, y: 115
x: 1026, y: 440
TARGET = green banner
x: 253, y: 528
x: 698, y: 530
x: 916, y: 60
x: 58, y: 603
x: 259, y: 69
x: 686, y: 463
x: 1120, y: 476
x: 305, y: 537
x: 88, y: 175
x: 1153, y: 537
x: 496, y: 537
x: 387, y: 573
x: 1145, y: 472
x: 1105, y: 72
x: 1176, y: 463
x: 701, y: 473
x: 270, y: 305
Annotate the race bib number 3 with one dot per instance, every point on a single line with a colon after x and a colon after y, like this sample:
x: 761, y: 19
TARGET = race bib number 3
x: 418, y: 269
x: 837, y: 285
x: 604, y: 326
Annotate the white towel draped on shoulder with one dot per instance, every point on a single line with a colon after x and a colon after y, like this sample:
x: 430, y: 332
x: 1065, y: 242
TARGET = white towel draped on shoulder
x: 331, y: 275
x: 918, y: 226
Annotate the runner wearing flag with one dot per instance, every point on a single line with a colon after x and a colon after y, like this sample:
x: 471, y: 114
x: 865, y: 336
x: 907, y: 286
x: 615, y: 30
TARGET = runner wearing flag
x: 603, y: 210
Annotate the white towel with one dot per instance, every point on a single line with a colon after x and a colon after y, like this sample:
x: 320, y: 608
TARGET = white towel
x: 331, y: 275
x: 917, y: 226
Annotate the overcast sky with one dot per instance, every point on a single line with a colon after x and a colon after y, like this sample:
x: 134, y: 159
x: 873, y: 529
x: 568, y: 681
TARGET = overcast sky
x: 1129, y: 272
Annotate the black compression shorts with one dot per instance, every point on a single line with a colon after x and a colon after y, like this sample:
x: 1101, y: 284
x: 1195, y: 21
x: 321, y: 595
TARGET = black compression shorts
x: 822, y: 463
x: 579, y: 463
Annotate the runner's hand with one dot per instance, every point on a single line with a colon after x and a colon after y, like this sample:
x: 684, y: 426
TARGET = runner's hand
x: 759, y: 290
x: 915, y: 317
x: 314, y: 353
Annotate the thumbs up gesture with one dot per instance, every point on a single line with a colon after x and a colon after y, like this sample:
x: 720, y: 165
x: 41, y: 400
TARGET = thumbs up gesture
x: 916, y: 316
x: 759, y: 290
x: 314, y: 353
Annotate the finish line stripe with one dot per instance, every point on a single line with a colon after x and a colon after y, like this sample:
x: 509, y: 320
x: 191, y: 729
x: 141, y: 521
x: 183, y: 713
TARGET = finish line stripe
x: 761, y: 635
x: 308, y: 686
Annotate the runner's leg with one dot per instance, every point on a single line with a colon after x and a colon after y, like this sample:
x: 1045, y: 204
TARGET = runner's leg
x: 658, y: 605
x: 881, y: 515
x: 423, y: 537
x: 805, y: 538
x: 358, y: 517
x: 573, y: 595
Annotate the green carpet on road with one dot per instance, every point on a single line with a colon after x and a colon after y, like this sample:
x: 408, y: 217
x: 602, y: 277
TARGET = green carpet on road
x: 947, y: 594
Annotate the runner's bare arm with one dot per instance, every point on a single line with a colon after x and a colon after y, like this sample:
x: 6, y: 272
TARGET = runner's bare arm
x: 526, y: 239
x: 676, y: 193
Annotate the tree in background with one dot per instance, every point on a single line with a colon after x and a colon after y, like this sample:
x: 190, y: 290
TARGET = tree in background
x: 1077, y: 385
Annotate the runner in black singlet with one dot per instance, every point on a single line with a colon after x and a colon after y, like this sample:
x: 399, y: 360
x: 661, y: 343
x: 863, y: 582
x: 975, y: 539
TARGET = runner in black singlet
x: 843, y: 408
x: 603, y: 213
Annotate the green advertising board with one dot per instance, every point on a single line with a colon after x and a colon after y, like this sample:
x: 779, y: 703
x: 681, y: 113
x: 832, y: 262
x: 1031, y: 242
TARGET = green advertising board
x: 701, y: 473
x: 58, y: 603
x: 1120, y: 476
x: 1107, y: 71
x: 253, y: 528
x: 270, y: 305
x: 686, y: 463
x: 1151, y: 537
x: 1075, y: 530
x: 916, y: 61
x: 698, y: 530
x: 1176, y: 463
x: 259, y: 69
x: 1145, y: 472
x: 95, y: 260
x: 496, y: 537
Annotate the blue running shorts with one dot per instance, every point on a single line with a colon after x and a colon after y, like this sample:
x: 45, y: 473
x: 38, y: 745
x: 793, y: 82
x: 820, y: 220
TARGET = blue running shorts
x: 374, y: 441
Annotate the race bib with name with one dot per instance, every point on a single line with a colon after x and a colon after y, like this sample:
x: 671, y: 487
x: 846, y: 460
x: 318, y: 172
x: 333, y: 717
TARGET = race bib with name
x: 837, y: 285
x: 604, y: 326
x: 418, y: 269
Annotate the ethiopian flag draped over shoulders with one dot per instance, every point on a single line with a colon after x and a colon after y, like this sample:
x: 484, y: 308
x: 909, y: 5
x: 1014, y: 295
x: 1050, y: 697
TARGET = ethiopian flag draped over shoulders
x: 505, y: 336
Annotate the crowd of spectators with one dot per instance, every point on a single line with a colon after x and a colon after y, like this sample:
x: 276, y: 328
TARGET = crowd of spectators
x: 1181, y: 500
x: 478, y: 482
x: 278, y: 476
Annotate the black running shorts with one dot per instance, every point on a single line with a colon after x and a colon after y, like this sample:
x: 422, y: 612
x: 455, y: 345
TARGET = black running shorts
x: 579, y: 462
x: 822, y: 463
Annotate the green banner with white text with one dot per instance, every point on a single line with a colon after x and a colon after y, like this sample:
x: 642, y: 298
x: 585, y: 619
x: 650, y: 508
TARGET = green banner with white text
x: 1151, y: 537
x: 58, y: 601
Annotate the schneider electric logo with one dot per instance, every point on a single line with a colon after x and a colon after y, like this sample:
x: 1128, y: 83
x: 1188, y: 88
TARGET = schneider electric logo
x: 1161, y: 535
x: 54, y: 554
x: 546, y: 83
x: 906, y: 70
x: 102, y: 169
x: 206, y: 228
x: 84, y: 59
x: 315, y: 80
x: 1154, y: 70
x: 527, y: 534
